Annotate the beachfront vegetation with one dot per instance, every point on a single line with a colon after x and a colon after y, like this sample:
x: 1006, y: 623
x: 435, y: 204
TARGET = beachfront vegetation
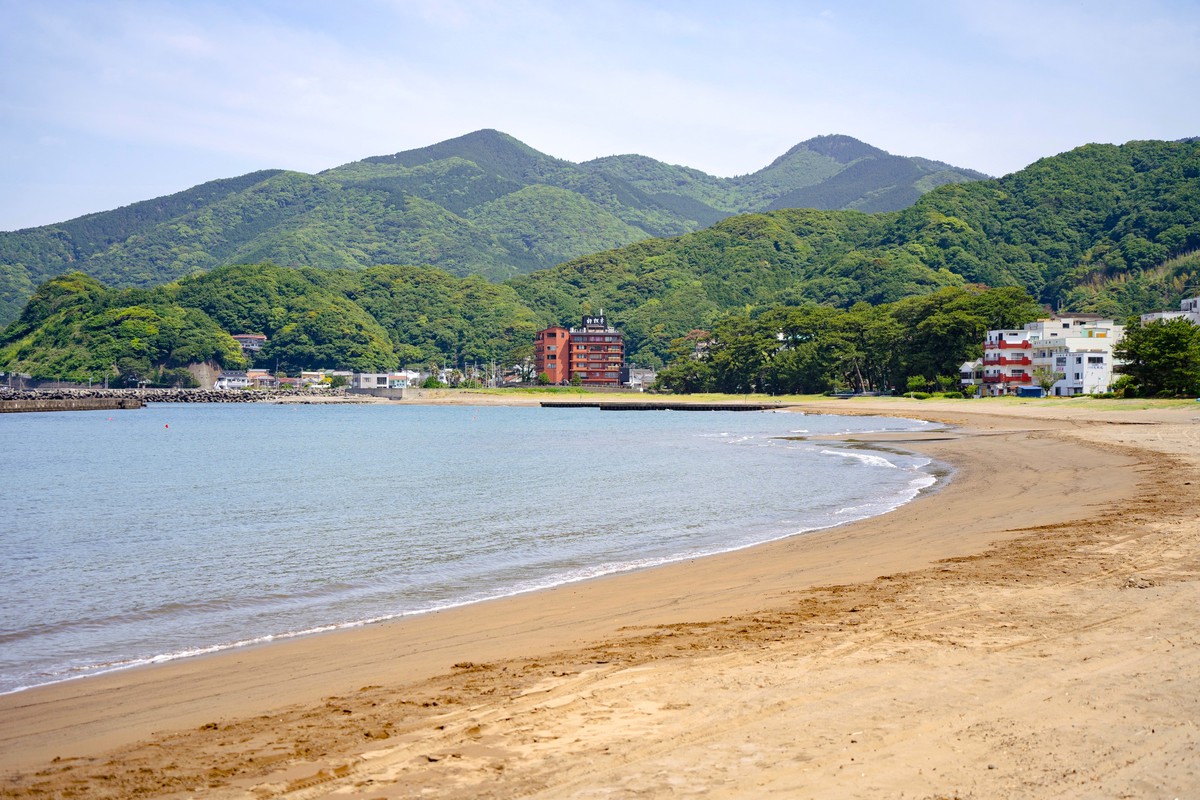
x: 814, y: 348
x: 1159, y: 359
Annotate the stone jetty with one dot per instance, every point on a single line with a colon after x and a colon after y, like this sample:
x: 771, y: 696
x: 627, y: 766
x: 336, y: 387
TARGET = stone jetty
x: 104, y: 399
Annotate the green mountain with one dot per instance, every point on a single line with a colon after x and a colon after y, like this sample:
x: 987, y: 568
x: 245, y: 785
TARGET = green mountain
x: 481, y: 204
x: 1102, y: 228
x: 828, y: 173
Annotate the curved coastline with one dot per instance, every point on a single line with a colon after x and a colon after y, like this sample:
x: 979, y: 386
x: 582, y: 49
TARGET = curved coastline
x: 939, y: 475
x: 913, y: 479
x: 1013, y: 473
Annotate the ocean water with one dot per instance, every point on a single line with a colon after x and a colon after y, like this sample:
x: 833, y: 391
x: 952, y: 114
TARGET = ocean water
x: 133, y: 537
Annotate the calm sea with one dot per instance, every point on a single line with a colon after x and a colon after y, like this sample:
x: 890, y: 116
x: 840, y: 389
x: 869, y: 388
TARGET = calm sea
x: 140, y: 536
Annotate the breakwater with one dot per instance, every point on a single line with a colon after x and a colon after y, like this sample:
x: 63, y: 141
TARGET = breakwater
x: 99, y: 399
x: 9, y: 406
x: 661, y: 406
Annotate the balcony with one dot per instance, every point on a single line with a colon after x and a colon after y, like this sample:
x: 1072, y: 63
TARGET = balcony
x: 1005, y: 361
x: 1004, y: 344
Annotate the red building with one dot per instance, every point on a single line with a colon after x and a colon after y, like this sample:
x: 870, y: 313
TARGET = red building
x: 551, y: 354
x: 593, y: 352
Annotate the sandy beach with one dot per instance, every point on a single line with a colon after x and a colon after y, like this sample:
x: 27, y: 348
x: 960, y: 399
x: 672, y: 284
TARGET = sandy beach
x: 1028, y: 631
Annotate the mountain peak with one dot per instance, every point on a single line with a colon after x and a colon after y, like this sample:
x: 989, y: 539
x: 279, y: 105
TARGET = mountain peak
x: 491, y: 149
x: 841, y: 148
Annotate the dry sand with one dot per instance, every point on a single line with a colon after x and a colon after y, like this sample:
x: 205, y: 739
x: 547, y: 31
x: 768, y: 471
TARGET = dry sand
x: 1029, y: 631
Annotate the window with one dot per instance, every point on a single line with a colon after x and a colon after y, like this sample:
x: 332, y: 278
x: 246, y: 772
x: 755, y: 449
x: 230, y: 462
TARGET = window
x: 552, y: 348
x: 1095, y: 359
x: 1078, y: 376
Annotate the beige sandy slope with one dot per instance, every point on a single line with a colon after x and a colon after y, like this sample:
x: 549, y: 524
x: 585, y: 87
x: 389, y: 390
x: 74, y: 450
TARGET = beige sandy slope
x: 1030, y: 631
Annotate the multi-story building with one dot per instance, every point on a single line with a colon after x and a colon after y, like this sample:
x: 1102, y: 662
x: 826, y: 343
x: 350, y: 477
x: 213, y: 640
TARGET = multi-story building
x: 552, y: 354
x: 1007, y: 361
x: 593, y: 352
x: 1189, y: 309
x: 1075, y: 348
x: 597, y: 353
x: 250, y: 343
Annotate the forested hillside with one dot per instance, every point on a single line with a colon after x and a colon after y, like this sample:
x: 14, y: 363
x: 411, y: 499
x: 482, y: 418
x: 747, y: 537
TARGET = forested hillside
x: 1103, y: 228
x: 482, y: 204
x: 377, y: 318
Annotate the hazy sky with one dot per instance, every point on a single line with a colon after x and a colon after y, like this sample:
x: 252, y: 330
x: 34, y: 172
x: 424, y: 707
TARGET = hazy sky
x: 106, y: 102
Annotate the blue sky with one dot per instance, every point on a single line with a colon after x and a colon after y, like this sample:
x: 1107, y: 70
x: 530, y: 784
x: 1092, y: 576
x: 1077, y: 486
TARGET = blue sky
x: 107, y: 102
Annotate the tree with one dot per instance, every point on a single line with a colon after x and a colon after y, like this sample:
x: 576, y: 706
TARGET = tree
x: 1161, y: 357
x: 917, y: 383
x: 1045, y: 378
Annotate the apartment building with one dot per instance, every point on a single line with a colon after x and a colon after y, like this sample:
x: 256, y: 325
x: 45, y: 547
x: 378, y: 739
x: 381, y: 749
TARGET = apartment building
x: 1076, y: 348
x: 1189, y: 309
x: 552, y: 354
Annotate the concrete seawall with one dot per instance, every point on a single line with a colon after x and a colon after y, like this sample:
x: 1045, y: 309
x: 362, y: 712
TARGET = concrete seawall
x: 74, y: 404
x: 140, y: 397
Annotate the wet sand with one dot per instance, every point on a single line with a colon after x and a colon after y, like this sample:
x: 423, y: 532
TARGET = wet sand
x: 1027, y: 631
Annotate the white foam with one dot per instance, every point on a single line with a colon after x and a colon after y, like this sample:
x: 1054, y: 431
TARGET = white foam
x: 866, y: 458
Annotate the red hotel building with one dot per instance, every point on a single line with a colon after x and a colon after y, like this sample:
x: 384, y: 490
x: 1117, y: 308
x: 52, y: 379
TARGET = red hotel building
x: 592, y: 352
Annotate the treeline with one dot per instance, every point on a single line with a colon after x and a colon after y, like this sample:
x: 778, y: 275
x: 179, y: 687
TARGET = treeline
x: 916, y: 342
x: 380, y: 318
x: 75, y: 329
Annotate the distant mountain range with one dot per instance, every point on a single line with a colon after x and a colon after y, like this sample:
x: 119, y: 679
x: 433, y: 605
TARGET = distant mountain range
x: 481, y: 204
x: 1109, y: 229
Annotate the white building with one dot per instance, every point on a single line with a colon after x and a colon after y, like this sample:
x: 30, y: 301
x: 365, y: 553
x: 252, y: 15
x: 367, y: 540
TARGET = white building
x: 1007, y: 362
x: 383, y: 380
x: 232, y: 380
x: 1077, y: 348
x: 1188, y: 309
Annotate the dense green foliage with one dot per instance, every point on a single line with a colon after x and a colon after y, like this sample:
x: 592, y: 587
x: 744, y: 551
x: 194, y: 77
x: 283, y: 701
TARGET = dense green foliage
x: 433, y: 317
x: 482, y: 204
x: 1042, y: 229
x: 658, y: 290
x: 1103, y: 228
x: 74, y: 329
x: 813, y: 348
x: 366, y: 320
x: 1065, y: 225
x: 1160, y: 358
x: 306, y: 325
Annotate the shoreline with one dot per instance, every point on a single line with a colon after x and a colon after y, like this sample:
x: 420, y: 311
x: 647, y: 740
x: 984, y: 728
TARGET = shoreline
x: 937, y: 473
x: 1016, y: 470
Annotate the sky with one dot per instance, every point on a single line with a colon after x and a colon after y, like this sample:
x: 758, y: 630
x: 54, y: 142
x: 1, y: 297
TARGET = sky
x: 107, y: 102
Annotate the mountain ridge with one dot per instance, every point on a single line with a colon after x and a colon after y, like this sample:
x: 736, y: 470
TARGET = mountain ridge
x: 1107, y: 229
x: 483, y: 203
